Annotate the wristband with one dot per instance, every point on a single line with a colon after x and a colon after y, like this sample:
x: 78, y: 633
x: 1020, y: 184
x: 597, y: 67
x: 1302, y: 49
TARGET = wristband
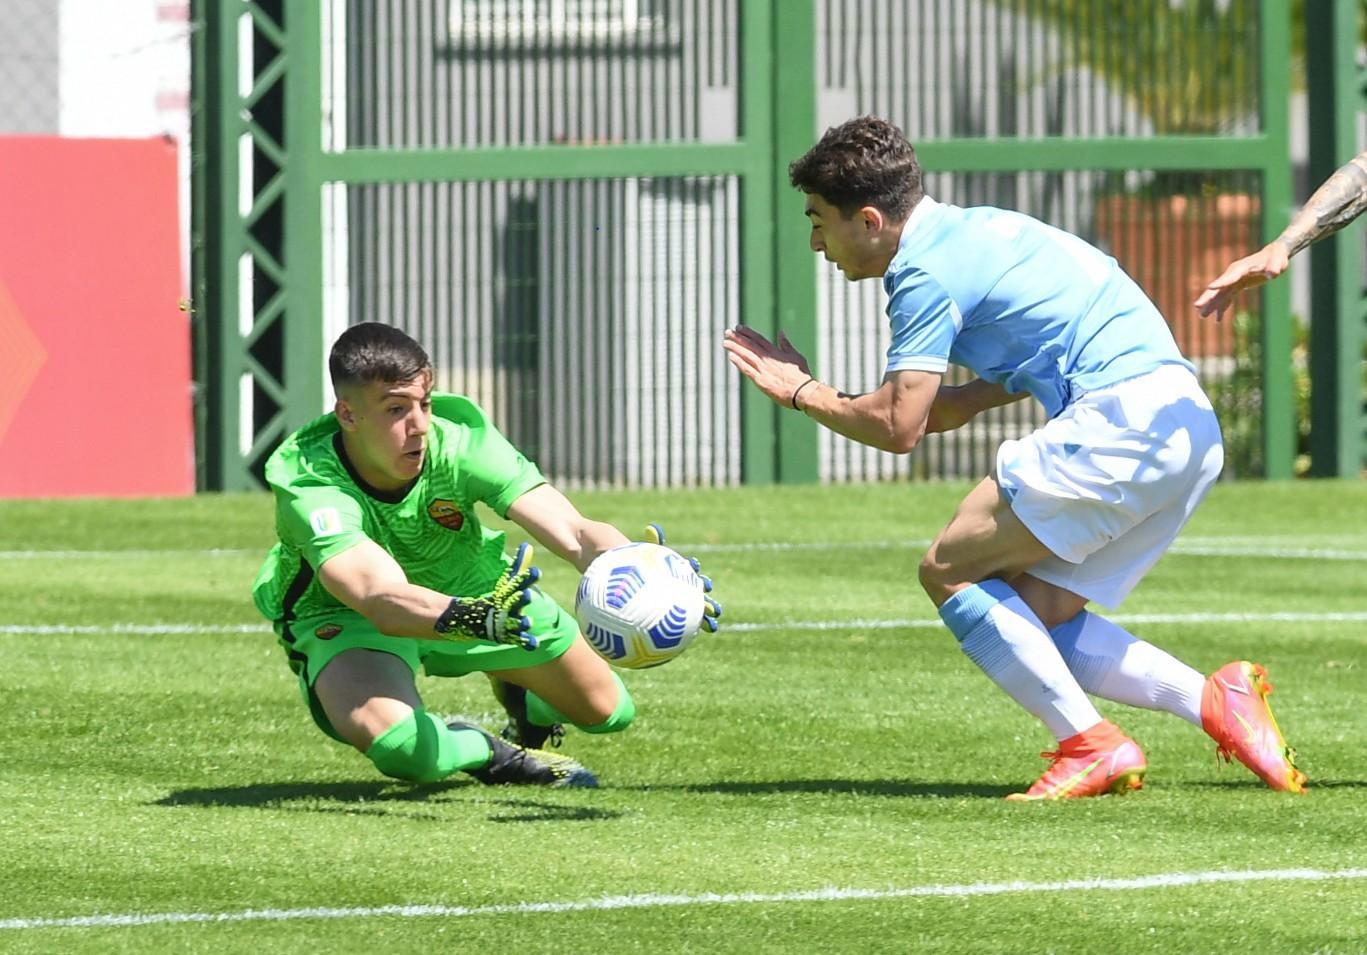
x: 797, y: 391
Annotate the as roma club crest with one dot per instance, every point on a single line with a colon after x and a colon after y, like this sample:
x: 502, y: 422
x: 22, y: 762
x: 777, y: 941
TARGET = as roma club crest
x: 446, y: 514
x: 327, y: 631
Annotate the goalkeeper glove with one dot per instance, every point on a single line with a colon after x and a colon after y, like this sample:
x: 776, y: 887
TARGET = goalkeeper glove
x: 711, y: 609
x: 497, y: 615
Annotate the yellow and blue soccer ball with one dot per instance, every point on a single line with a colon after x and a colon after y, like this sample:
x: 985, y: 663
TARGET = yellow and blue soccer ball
x: 639, y: 605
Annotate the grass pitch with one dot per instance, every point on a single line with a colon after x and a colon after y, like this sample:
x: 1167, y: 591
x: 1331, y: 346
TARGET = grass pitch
x: 824, y: 775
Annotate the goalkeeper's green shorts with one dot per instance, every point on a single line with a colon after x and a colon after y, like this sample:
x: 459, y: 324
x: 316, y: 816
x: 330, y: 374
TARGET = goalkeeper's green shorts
x: 312, y: 642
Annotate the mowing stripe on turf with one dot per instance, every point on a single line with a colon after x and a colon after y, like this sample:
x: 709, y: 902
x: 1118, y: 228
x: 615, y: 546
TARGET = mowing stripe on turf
x: 168, y: 629
x: 125, y: 554
x: 139, y: 629
x: 1168, y: 880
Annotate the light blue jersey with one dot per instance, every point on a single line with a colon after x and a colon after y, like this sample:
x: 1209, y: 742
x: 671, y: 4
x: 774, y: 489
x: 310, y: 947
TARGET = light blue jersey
x: 1019, y: 303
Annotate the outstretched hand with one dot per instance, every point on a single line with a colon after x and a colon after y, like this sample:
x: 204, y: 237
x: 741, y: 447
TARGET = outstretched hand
x: 776, y: 369
x: 513, y: 592
x: 711, y: 609
x: 497, y: 616
x: 1249, y: 272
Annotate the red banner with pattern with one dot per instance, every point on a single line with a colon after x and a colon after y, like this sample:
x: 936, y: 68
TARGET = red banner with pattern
x: 94, y: 350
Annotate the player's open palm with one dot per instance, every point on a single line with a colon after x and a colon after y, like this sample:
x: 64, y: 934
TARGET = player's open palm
x: 777, y: 369
x: 1249, y: 272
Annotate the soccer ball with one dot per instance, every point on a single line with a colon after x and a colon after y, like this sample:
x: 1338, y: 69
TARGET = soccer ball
x: 639, y: 605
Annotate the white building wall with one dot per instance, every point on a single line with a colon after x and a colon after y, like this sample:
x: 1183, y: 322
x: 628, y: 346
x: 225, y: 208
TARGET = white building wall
x: 99, y: 68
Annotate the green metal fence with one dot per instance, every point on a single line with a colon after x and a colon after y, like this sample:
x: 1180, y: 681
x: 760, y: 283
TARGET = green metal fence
x: 1337, y: 88
x: 1155, y: 130
x: 568, y: 200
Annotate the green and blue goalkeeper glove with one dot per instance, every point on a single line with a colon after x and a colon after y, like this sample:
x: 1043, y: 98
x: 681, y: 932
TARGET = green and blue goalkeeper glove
x: 496, y: 616
x: 711, y: 609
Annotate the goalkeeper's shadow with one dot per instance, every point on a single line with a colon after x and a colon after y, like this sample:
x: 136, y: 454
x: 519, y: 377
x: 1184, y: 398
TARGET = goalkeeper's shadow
x: 257, y: 795
x: 380, y: 798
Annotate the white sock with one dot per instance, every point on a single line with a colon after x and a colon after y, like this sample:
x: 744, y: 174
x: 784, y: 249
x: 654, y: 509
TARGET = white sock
x: 1002, y: 635
x: 1113, y: 664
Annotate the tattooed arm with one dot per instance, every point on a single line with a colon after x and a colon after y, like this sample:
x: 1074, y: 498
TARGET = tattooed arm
x: 1341, y: 199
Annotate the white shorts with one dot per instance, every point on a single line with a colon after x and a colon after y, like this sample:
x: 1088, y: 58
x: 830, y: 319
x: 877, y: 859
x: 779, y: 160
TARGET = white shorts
x: 1108, y: 484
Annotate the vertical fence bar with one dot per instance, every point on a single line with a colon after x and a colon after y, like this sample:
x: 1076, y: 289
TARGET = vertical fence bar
x: 303, y: 241
x: 759, y: 445
x: 217, y: 308
x: 794, y: 118
x: 1279, y: 403
x: 1336, y: 421
x: 206, y: 278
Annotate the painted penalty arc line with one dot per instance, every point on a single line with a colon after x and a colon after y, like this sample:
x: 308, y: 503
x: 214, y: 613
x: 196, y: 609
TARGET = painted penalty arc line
x: 616, y: 903
x: 173, y: 629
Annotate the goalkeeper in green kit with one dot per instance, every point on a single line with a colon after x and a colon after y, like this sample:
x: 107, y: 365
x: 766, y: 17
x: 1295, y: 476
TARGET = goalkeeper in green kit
x: 382, y: 566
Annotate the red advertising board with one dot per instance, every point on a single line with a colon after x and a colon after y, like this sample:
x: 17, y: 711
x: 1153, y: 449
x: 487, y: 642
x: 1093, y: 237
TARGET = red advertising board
x: 94, y: 349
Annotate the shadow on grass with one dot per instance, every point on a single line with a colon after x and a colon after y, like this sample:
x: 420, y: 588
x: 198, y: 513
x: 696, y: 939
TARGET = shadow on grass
x: 1252, y: 784
x: 379, y: 798
x: 923, y: 790
x: 945, y: 790
x: 854, y: 787
x: 529, y: 810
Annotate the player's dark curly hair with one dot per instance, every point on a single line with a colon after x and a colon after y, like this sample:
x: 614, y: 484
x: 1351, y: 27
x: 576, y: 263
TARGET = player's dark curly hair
x: 372, y: 352
x: 862, y: 162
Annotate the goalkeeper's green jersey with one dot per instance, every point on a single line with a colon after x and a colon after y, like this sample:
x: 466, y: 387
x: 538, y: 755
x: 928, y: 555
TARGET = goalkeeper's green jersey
x: 322, y: 507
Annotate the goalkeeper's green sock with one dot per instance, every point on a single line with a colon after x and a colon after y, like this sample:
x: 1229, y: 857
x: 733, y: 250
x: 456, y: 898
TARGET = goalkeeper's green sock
x: 541, y: 713
x: 420, y: 749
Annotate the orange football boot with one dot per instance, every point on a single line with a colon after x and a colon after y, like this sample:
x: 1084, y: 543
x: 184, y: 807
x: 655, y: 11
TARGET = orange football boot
x: 1234, y: 711
x: 1096, y: 761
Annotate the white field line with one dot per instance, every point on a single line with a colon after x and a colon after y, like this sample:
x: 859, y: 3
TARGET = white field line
x: 1193, y: 547
x: 1120, y: 618
x: 173, y: 629
x: 1189, y: 547
x: 610, y: 903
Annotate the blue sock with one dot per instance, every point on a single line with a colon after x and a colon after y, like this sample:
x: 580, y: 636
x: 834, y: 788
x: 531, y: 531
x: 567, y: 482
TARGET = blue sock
x: 1001, y: 634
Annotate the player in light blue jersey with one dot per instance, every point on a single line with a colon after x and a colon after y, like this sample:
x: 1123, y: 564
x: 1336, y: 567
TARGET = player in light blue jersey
x: 1026, y: 306
x: 1075, y: 512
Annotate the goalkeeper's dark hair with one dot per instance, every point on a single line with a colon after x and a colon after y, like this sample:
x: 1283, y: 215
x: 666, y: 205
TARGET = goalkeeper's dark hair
x: 864, y: 161
x: 372, y: 352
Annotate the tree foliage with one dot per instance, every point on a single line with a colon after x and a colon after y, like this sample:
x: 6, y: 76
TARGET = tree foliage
x: 1190, y: 66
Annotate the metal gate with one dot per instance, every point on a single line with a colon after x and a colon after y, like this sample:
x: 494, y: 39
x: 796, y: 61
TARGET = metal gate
x: 567, y: 201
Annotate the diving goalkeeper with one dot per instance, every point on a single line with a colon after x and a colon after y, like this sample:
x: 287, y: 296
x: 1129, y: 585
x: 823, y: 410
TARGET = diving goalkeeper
x: 382, y: 566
